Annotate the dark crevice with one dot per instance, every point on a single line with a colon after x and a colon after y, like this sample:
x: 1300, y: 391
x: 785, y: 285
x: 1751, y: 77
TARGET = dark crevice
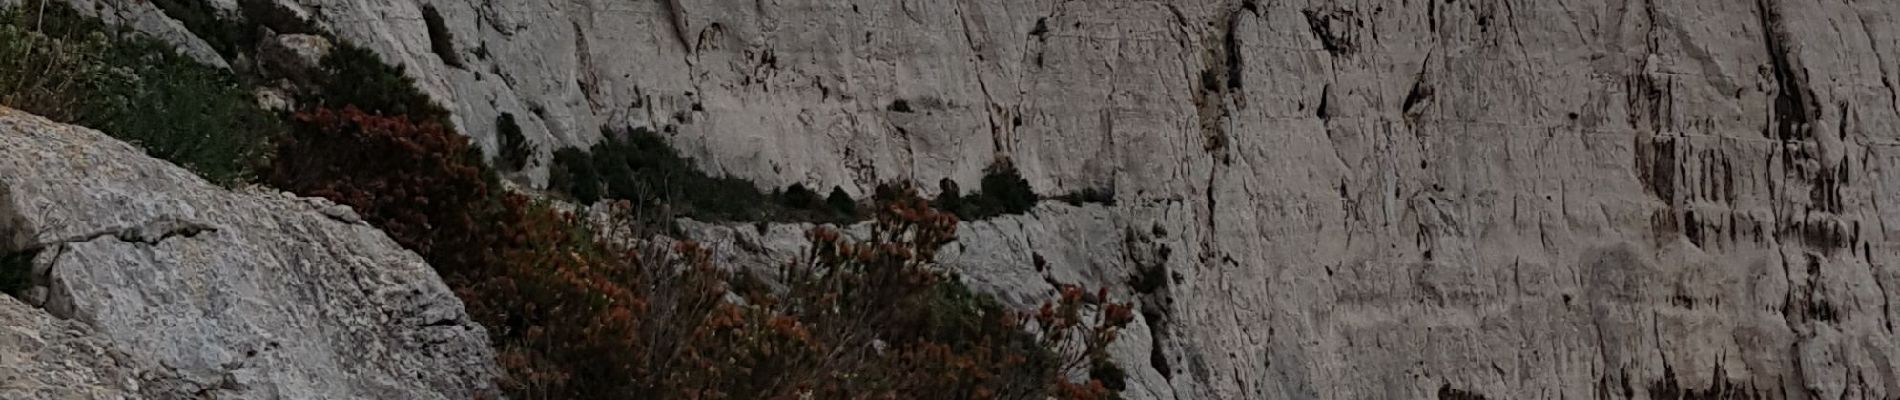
x: 1793, y: 111
x: 1334, y: 28
x: 1232, y: 46
x: 1324, y: 110
x: 441, y: 41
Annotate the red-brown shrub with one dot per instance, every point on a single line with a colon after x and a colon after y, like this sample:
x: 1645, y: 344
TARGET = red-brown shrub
x: 575, y: 316
x: 416, y: 181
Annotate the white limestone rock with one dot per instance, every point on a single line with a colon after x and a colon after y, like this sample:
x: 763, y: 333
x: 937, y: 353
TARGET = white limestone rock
x: 246, y: 294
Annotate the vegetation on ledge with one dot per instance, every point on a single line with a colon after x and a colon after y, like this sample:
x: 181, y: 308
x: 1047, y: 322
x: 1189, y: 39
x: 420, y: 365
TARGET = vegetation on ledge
x: 572, y: 313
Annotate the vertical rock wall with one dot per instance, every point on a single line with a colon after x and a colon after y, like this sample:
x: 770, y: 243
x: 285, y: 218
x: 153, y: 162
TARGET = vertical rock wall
x: 1349, y: 199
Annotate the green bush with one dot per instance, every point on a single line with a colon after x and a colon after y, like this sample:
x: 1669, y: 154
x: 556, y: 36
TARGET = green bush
x: 75, y: 70
x: 355, y: 76
x: 797, y: 196
x: 639, y: 166
x: 841, y: 202
x: 1003, y: 191
x: 1089, y: 196
x: 574, y: 174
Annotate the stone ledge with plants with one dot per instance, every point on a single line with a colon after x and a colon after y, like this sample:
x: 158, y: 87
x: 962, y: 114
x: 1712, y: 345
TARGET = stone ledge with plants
x: 573, y: 313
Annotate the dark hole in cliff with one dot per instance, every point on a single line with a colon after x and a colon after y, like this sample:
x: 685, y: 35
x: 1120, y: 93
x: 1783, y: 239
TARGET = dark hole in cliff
x: 1042, y: 28
x: 1148, y: 279
x: 1232, y: 45
x: 440, y: 40
x: 1325, y: 101
x: 900, y: 105
x: 16, y: 269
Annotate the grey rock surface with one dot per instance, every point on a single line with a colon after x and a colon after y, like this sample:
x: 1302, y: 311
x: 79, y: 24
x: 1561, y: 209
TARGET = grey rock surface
x: 247, y: 294
x: 44, y: 357
x: 1349, y: 199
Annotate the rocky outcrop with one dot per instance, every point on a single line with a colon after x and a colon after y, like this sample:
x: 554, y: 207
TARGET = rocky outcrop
x: 43, y: 357
x: 1463, y: 199
x: 250, y: 294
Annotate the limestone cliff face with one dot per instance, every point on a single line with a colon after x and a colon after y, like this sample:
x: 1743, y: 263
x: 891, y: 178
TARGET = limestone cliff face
x: 177, y: 288
x: 1347, y: 199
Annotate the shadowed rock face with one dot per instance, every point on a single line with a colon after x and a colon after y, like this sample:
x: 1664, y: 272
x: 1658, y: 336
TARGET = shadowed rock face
x: 1462, y: 199
x: 252, y: 294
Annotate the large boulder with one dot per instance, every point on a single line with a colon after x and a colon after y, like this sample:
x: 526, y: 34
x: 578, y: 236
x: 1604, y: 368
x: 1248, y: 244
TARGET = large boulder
x: 242, y: 294
x: 44, y: 357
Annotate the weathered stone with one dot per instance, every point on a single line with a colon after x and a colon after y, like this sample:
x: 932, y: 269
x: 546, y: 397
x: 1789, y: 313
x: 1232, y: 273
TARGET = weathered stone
x: 1564, y: 199
x: 42, y: 357
x: 246, y: 294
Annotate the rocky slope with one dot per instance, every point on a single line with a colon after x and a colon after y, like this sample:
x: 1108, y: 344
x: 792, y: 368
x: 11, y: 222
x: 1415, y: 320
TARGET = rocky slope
x: 1384, y: 199
x: 188, y: 290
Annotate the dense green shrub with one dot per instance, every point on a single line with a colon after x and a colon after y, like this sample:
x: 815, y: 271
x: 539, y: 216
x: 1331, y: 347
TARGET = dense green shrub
x: 1089, y: 196
x: 355, y: 77
x: 797, y: 196
x: 75, y: 70
x: 841, y: 202
x: 639, y: 166
x: 1003, y: 191
x: 573, y: 173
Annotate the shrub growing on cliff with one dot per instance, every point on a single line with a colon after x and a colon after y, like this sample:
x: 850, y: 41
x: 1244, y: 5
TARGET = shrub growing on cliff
x: 75, y: 70
x: 575, y: 315
x: 417, y: 181
x: 638, y: 165
x: 1003, y: 191
x: 355, y: 77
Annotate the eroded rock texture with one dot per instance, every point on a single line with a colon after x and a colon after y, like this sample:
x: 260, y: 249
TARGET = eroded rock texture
x: 1346, y: 199
x: 237, y: 295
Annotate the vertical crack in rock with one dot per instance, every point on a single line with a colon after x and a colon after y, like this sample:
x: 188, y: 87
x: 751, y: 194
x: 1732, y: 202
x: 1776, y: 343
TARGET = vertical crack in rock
x: 999, y: 135
x: 676, y: 13
x: 1421, y: 93
x: 1793, y: 108
x: 1335, y: 28
x: 1219, y: 87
